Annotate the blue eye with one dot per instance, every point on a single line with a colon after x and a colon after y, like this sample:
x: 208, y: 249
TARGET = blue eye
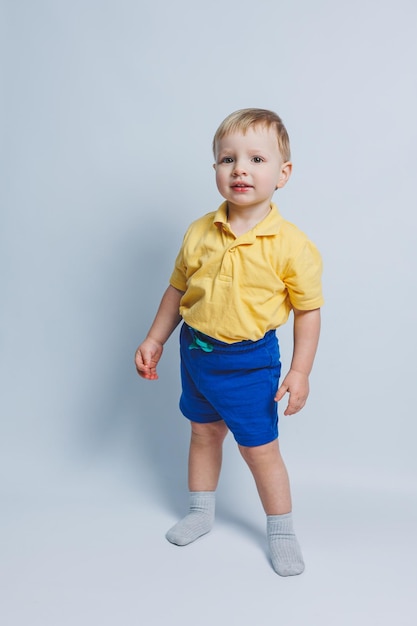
x: 257, y: 159
x: 227, y: 160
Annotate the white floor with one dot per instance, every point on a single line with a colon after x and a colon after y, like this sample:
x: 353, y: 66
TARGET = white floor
x: 93, y: 555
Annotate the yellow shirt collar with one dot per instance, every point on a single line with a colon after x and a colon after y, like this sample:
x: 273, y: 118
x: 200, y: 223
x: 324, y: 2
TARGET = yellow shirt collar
x: 270, y: 225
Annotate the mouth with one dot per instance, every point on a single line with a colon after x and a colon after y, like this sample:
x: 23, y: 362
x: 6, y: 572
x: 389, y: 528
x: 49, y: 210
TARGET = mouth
x: 241, y: 186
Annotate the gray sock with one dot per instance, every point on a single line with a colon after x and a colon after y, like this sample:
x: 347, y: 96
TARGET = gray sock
x: 199, y: 520
x: 285, y: 551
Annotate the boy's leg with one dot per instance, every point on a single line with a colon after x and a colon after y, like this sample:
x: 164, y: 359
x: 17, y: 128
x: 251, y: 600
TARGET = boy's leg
x: 205, y: 455
x: 271, y: 478
x: 204, y: 464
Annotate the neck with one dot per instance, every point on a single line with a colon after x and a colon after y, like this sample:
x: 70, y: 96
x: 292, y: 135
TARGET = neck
x: 243, y: 219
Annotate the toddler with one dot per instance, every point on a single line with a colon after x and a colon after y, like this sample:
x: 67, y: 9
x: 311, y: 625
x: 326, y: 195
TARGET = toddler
x: 240, y: 272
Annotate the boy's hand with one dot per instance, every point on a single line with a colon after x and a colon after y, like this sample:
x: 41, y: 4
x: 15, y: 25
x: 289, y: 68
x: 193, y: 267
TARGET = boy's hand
x: 147, y: 357
x: 296, y: 384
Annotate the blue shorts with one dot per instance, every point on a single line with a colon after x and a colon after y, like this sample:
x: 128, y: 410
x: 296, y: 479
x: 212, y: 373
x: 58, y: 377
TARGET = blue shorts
x: 232, y: 382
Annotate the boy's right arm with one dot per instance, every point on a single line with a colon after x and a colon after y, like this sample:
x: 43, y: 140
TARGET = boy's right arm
x: 165, y: 322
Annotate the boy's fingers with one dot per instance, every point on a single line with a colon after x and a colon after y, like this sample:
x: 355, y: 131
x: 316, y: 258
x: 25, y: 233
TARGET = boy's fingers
x: 290, y: 410
x: 147, y: 372
x: 145, y: 366
x: 142, y: 364
x: 142, y: 359
x: 281, y: 392
x: 295, y: 404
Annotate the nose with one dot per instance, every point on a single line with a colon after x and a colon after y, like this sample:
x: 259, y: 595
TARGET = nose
x: 239, y: 169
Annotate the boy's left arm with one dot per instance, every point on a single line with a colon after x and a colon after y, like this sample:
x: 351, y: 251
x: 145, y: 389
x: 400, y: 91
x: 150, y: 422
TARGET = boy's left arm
x: 306, y: 337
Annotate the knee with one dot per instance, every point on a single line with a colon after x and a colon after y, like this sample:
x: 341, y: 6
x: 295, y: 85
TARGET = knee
x: 257, y: 455
x: 209, y: 434
x: 249, y: 454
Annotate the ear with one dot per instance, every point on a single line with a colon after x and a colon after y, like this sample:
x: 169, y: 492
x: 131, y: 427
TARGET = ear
x: 214, y: 166
x: 284, y: 174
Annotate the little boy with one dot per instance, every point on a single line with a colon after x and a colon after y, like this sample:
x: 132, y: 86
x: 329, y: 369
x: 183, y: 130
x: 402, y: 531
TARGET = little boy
x: 239, y: 273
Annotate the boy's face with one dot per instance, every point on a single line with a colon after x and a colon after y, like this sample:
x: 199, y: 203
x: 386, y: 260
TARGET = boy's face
x: 249, y: 168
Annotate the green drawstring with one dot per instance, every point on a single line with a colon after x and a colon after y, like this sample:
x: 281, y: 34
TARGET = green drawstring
x: 199, y: 344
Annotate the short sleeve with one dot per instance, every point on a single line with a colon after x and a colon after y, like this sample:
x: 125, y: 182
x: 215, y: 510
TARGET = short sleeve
x: 178, y: 278
x: 303, y: 278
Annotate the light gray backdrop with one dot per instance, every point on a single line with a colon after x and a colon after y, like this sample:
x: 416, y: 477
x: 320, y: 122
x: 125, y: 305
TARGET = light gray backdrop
x: 108, y: 111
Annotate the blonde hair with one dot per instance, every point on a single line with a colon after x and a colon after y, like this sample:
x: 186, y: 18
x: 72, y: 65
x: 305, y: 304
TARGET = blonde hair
x: 241, y: 120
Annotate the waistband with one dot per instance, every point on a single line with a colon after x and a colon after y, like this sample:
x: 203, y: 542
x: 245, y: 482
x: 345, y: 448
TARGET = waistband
x: 208, y: 344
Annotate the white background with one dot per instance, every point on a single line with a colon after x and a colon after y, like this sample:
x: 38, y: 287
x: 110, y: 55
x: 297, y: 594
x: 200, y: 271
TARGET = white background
x: 108, y: 111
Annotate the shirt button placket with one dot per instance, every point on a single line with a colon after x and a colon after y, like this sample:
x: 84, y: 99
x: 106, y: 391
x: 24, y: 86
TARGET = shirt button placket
x: 226, y: 271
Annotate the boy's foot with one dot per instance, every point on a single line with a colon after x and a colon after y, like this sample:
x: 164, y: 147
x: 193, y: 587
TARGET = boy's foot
x: 198, y: 522
x: 285, y: 551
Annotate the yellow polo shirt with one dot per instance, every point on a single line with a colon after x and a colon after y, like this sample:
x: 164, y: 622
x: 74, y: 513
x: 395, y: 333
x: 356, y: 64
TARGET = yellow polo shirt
x: 238, y: 288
